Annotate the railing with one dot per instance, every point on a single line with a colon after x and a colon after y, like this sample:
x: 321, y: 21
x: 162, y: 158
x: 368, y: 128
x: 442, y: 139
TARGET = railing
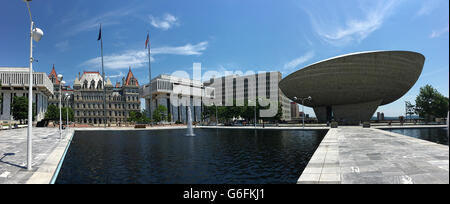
x: 168, y: 86
x: 21, y: 79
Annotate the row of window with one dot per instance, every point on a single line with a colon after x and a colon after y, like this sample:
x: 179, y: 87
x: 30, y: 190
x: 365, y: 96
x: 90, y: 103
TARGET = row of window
x: 100, y: 113
x: 92, y: 85
x: 110, y: 98
x: 99, y: 120
x: 109, y: 105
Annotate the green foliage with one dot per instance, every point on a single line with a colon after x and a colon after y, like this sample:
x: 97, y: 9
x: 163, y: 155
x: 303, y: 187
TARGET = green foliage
x: 53, y: 113
x: 227, y: 113
x: 208, y: 112
x: 19, y: 108
x: 160, y: 114
x: 134, y: 116
x: 169, y: 117
x: 64, y: 114
x: 138, y: 117
x: 430, y: 103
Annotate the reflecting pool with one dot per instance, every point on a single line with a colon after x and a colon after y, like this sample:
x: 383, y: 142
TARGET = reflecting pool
x: 437, y: 135
x: 223, y: 156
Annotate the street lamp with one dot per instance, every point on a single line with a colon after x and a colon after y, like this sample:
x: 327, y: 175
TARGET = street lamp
x: 303, y: 107
x: 36, y: 35
x: 67, y: 109
x: 61, y: 83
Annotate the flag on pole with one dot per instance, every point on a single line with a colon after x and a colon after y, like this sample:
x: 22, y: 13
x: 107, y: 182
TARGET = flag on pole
x: 147, y: 42
x: 100, y: 33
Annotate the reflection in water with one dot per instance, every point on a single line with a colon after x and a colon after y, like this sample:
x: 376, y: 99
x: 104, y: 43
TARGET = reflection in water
x: 437, y: 135
x: 166, y: 156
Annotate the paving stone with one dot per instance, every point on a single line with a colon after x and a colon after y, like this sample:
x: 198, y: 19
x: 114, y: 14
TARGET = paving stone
x: 371, y: 156
x: 13, y: 152
x: 309, y: 179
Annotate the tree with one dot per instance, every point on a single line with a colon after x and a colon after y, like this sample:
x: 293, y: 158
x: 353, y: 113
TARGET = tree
x: 52, y: 113
x: 227, y: 113
x: 160, y: 114
x: 64, y: 114
x: 169, y: 117
x: 248, y: 112
x: 19, y: 108
x: 279, y: 114
x: 430, y: 103
x: 134, y: 116
x: 208, y: 112
x: 138, y: 117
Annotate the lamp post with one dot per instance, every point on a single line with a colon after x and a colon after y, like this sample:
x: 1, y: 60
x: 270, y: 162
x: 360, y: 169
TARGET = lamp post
x: 67, y: 109
x: 61, y: 83
x: 303, y: 107
x: 36, y: 35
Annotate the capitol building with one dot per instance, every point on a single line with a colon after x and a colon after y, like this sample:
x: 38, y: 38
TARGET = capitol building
x: 86, y: 98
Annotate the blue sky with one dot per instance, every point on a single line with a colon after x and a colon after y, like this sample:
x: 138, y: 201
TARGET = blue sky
x: 232, y: 35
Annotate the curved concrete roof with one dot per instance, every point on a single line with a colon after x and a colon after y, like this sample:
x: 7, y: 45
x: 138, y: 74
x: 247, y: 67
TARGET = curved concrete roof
x: 356, y: 78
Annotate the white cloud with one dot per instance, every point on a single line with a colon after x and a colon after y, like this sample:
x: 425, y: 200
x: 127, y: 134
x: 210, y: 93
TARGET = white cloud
x: 117, y: 75
x: 294, y: 63
x: 427, y: 7
x: 123, y: 60
x: 438, y: 33
x: 62, y: 46
x: 357, y: 27
x: 93, y: 23
x: 187, y: 49
x: 164, y: 23
x: 139, y: 58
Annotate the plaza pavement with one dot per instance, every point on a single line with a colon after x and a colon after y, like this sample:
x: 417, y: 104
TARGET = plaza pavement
x: 13, y: 152
x: 356, y: 155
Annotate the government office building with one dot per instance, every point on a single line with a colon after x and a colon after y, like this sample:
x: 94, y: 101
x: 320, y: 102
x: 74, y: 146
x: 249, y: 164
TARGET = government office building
x: 240, y: 89
x: 15, y: 82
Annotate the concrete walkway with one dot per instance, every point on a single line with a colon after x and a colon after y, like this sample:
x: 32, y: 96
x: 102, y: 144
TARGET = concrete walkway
x: 355, y: 155
x: 13, y: 155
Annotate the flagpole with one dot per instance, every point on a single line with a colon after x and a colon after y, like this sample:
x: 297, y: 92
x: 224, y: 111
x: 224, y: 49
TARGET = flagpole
x: 150, y: 81
x: 103, y: 81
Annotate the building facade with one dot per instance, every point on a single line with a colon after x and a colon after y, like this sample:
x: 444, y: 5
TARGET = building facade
x: 54, y: 99
x: 241, y: 89
x: 15, y: 82
x: 175, y: 94
x: 295, y: 114
x: 88, y: 95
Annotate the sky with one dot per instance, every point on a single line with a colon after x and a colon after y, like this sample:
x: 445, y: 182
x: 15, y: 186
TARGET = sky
x: 226, y: 35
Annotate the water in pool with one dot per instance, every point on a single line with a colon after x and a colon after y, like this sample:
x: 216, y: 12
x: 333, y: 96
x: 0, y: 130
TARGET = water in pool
x: 224, y: 156
x: 437, y: 135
